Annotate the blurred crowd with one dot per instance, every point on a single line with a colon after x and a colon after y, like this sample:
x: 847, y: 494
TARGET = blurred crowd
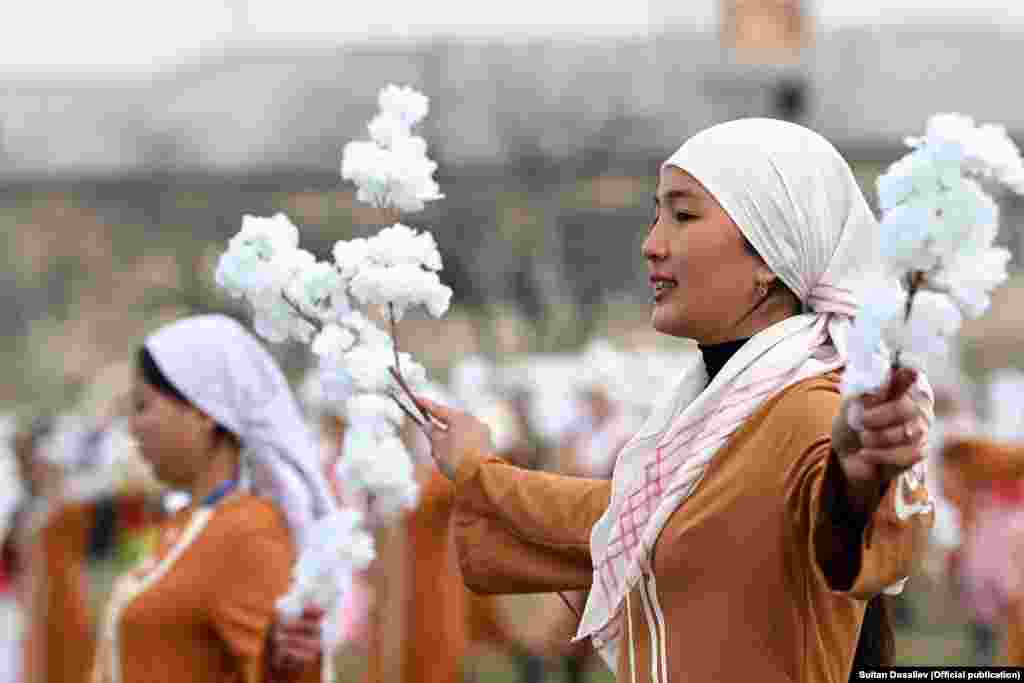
x: 79, y: 505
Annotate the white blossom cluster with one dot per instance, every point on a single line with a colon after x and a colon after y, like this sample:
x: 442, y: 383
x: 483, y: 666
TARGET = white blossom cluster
x: 335, y: 548
x: 397, y: 268
x: 392, y: 170
x: 289, y: 290
x: 294, y: 296
x: 375, y: 466
x: 988, y: 152
x: 376, y: 461
x: 938, y: 262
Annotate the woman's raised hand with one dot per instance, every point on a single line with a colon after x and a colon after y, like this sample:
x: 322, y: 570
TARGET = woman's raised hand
x: 296, y: 644
x: 878, y: 436
x: 461, y: 436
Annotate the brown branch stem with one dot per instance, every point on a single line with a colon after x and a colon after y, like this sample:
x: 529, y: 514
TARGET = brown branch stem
x: 302, y: 314
x: 915, y: 280
x: 394, y: 336
x: 408, y: 413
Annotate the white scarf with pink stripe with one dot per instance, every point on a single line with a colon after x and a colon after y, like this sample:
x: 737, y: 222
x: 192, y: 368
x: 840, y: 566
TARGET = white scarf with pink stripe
x: 795, y: 199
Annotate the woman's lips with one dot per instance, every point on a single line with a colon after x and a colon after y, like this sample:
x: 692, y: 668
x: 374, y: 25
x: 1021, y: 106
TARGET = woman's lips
x: 662, y: 285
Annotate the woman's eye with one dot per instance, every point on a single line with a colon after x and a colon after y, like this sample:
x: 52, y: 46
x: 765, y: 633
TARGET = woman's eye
x: 682, y: 216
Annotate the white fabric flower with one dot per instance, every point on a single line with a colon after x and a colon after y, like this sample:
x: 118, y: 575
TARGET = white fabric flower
x: 987, y: 151
x: 931, y: 213
x: 995, y: 156
x: 392, y: 169
x: 401, y: 245
x: 276, y: 321
x: 402, y: 287
x: 335, y: 384
x: 350, y: 255
x: 399, y: 177
x: 385, y: 129
x: 369, y: 365
x: 406, y: 105
x: 252, y: 261
x: 335, y: 547
x: 881, y: 303
x: 319, y: 290
x: 247, y: 265
x: 381, y: 466
x: 934, y: 319
x: 374, y: 409
x: 366, y: 331
x: 368, y: 166
x: 971, y: 276
x: 333, y: 341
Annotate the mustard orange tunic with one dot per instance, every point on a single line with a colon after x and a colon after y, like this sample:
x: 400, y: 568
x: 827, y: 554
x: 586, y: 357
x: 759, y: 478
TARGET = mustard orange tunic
x: 200, y: 607
x: 760, y: 575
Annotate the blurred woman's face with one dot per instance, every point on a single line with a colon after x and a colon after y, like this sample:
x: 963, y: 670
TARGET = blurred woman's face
x: 703, y: 278
x: 173, y: 437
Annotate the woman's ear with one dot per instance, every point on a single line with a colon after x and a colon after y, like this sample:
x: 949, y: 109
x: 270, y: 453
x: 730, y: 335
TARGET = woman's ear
x: 203, y: 422
x: 764, y: 278
x: 763, y: 273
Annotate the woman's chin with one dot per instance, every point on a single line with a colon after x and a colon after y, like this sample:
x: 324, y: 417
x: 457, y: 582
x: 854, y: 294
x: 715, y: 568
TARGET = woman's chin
x: 666, y: 321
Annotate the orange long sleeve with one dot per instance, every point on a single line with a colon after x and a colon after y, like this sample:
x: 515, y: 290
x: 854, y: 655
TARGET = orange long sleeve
x: 520, y: 531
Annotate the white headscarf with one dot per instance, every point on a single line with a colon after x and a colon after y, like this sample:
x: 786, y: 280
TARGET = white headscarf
x: 795, y: 199
x: 225, y: 372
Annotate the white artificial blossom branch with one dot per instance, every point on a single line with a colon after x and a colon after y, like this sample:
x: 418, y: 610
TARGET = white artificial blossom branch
x: 938, y: 226
x: 294, y: 296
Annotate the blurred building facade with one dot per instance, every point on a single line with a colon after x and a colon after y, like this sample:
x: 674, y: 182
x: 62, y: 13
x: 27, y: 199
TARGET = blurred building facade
x: 269, y: 107
x: 118, y: 195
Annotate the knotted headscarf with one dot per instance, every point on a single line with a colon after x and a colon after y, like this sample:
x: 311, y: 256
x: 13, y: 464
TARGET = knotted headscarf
x: 225, y: 372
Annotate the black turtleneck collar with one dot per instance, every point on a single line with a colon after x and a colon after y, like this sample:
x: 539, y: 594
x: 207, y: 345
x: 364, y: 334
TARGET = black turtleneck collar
x: 717, y: 355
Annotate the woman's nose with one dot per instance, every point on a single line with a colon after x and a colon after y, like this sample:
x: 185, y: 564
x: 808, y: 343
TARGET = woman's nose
x: 654, y: 248
x: 133, y: 425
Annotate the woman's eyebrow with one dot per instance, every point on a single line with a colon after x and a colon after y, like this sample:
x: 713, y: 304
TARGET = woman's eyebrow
x: 675, y: 194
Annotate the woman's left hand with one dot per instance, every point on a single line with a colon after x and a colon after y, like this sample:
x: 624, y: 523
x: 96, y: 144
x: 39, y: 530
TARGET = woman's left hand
x: 878, y: 436
x: 296, y: 644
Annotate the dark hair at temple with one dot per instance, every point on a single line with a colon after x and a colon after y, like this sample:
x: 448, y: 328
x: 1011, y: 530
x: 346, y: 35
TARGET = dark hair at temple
x: 155, y: 377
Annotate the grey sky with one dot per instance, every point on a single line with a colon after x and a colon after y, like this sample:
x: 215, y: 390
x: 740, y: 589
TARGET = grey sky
x: 134, y: 34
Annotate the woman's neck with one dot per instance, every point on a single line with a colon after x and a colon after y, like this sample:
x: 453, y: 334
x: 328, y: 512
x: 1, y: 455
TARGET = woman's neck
x: 717, y: 355
x: 778, y: 306
x: 223, y: 467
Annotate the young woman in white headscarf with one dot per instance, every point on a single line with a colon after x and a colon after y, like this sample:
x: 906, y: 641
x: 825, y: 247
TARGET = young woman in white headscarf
x: 755, y: 517
x: 215, y: 417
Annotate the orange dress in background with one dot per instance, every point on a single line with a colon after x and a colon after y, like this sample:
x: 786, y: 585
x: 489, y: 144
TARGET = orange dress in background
x: 760, y: 574
x: 418, y: 623
x: 424, y: 621
x: 199, y: 608
x: 59, y: 642
x: 970, y: 467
